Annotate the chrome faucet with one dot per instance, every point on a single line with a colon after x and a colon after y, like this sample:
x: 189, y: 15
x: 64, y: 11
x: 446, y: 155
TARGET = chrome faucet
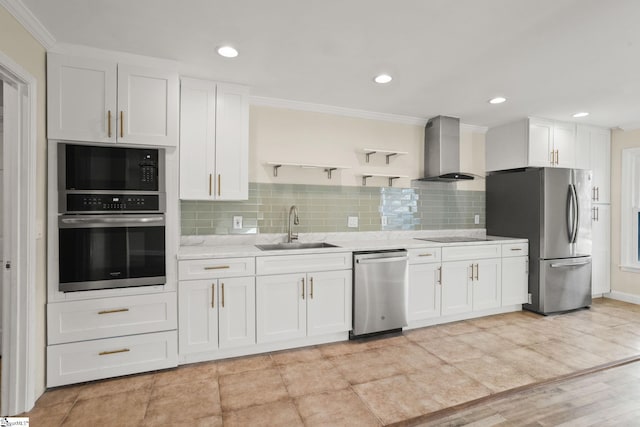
x: 293, y: 236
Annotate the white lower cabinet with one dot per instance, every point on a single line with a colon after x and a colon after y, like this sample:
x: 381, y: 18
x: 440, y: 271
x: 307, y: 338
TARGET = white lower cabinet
x: 297, y: 305
x: 457, y: 287
x: 487, y: 284
x: 601, y: 254
x: 216, y: 314
x: 515, y: 280
x: 425, y: 272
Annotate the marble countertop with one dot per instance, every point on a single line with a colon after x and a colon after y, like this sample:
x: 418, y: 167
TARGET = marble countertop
x: 208, y: 247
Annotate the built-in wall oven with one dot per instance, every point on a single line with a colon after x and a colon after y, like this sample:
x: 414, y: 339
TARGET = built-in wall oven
x: 111, y: 224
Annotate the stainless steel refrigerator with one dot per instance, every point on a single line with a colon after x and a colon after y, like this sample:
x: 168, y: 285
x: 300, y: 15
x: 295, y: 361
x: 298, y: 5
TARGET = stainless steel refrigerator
x: 552, y: 208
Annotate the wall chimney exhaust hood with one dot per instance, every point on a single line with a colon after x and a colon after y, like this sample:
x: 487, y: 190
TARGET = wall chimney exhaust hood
x: 442, y: 151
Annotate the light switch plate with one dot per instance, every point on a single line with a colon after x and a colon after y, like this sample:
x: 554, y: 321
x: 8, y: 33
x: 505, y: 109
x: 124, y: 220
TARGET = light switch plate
x: 237, y: 222
x: 384, y: 221
x: 352, y: 222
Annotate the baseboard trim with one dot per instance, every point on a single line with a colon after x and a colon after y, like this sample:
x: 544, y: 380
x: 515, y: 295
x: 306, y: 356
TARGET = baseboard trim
x: 623, y: 296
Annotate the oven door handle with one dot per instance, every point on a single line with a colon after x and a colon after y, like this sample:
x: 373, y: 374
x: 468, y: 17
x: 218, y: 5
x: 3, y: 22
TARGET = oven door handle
x: 113, y: 220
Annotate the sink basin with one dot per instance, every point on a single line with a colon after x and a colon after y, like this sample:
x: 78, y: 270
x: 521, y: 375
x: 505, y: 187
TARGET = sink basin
x: 295, y: 245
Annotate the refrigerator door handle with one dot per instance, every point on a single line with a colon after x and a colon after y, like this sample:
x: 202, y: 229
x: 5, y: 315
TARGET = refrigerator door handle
x: 570, y: 264
x: 572, y: 214
x: 576, y: 220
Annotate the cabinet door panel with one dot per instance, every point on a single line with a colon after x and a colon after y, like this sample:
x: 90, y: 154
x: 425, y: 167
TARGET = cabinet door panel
x: 515, y: 280
x: 601, y: 165
x: 237, y: 312
x: 197, y: 316
x: 601, y: 233
x: 148, y: 104
x: 540, y: 143
x: 424, y: 291
x: 232, y: 142
x: 81, y: 93
x: 197, y: 139
x: 329, y: 302
x: 564, y: 142
x: 456, y: 287
x: 281, y: 307
x: 487, y: 285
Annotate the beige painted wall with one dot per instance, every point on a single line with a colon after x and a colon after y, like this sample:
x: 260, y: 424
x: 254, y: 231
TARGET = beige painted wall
x: 21, y: 47
x: 291, y: 136
x: 621, y: 281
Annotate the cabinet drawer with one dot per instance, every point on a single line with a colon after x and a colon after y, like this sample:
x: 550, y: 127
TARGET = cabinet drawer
x: 303, y: 263
x: 515, y: 249
x: 216, y: 268
x: 111, y: 357
x: 422, y: 256
x: 459, y: 253
x: 110, y: 317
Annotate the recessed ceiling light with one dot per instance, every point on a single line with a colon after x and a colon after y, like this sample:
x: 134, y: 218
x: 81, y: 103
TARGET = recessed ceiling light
x: 581, y: 114
x: 497, y: 100
x: 382, y: 78
x: 227, y: 52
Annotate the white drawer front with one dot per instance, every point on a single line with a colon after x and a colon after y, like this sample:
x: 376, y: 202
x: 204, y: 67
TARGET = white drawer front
x: 110, y: 317
x: 216, y: 268
x: 460, y: 253
x: 423, y: 256
x: 112, y: 357
x: 515, y: 249
x: 303, y: 263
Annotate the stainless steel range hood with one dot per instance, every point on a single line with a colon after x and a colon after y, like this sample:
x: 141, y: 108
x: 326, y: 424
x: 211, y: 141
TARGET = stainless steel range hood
x: 442, y: 150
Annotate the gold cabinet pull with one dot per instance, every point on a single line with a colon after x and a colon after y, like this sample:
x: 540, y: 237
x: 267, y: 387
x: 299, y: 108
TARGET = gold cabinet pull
x: 311, y: 293
x: 109, y: 123
x: 117, y: 310
x: 516, y: 249
x: 440, y: 275
x: 222, y: 300
x: 303, y: 288
x: 219, y: 180
x: 553, y: 157
x: 217, y: 267
x: 121, y: 124
x: 477, y: 272
x: 425, y: 255
x: 123, y: 350
x: 597, y: 194
x: 471, y: 277
x: 213, y: 295
x: 557, y: 157
x: 210, y: 183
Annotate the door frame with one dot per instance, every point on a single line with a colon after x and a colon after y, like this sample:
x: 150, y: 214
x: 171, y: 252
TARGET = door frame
x: 19, y: 301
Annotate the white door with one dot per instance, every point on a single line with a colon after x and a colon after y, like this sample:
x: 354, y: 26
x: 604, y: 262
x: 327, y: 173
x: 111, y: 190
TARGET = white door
x: 197, y: 139
x: 540, y: 143
x: 232, y: 142
x: 487, y: 284
x: 564, y: 143
x: 197, y: 316
x: 457, y: 292
x: 237, y: 312
x: 281, y: 307
x: 601, y: 255
x: 147, y: 106
x: 329, y: 302
x: 515, y: 280
x: 424, y: 291
x: 81, y: 99
x: 601, y: 165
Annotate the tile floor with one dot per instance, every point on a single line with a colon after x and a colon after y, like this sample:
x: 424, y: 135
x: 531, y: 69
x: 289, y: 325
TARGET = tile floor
x: 378, y: 382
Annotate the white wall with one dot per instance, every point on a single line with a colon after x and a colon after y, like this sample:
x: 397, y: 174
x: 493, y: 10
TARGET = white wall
x: 291, y: 136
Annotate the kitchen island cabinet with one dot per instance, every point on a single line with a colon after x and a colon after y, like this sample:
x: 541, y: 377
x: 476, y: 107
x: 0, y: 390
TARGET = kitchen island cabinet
x: 105, y: 101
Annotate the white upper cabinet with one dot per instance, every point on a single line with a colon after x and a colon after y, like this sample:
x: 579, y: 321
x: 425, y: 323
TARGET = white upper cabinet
x: 531, y: 142
x: 594, y: 152
x: 214, y: 141
x: 102, y: 101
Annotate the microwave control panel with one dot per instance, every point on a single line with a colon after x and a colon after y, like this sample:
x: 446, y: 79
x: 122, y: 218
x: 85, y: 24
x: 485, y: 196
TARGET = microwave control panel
x: 79, y: 203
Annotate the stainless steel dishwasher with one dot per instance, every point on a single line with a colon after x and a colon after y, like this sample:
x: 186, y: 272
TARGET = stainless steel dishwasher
x: 380, y: 291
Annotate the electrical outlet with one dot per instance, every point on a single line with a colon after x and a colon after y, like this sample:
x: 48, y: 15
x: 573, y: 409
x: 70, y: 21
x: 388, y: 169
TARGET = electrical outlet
x: 237, y: 222
x: 352, y: 222
x: 476, y: 219
x: 384, y: 221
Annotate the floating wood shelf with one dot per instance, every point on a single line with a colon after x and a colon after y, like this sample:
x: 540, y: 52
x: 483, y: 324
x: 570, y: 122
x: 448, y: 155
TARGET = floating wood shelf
x: 390, y: 177
x: 388, y: 153
x: 327, y: 168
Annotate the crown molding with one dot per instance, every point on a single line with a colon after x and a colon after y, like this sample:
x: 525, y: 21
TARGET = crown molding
x: 29, y: 21
x: 262, y: 101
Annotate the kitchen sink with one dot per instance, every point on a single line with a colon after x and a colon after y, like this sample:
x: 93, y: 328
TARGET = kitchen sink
x: 295, y: 245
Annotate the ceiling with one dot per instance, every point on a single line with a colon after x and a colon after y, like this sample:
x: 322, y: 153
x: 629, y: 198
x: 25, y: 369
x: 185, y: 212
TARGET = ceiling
x: 550, y: 58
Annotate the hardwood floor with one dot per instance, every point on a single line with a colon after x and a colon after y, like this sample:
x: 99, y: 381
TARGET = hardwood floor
x: 609, y: 397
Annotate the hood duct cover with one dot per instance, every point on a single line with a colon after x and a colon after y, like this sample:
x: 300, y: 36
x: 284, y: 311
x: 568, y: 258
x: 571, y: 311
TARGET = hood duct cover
x: 442, y: 150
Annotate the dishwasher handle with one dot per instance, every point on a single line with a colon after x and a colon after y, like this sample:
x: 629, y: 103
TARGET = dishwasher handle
x: 380, y: 260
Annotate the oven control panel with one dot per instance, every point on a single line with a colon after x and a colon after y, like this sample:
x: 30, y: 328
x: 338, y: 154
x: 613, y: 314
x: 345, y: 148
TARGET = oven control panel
x: 77, y: 203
